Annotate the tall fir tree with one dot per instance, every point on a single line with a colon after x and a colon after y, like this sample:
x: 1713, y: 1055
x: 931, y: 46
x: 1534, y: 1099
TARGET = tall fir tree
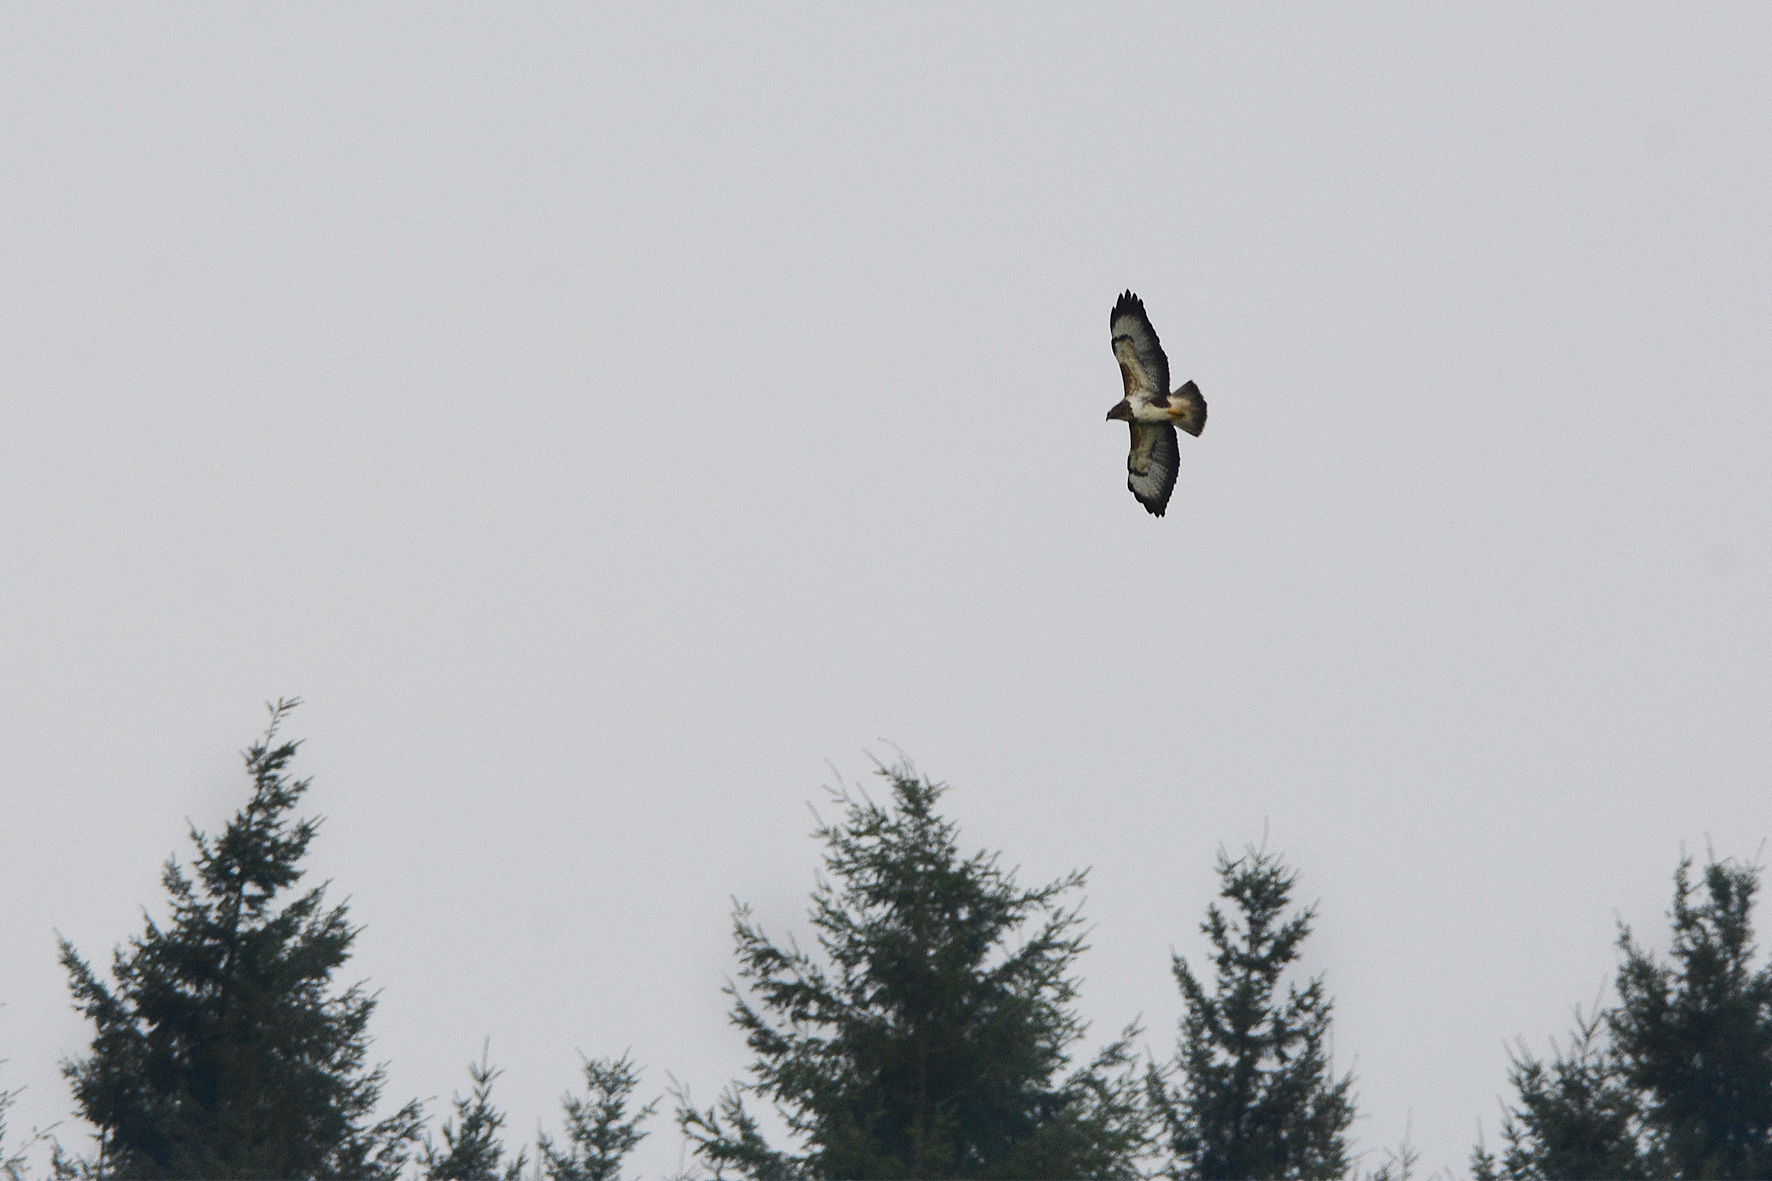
x: 933, y: 1036
x: 1694, y: 1035
x: 1675, y: 1079
x: 1575, y: 1116
x: 471, y: 1149
x: 221, y: 1049
x: 600, y: 1128
x: 1251, y: 1093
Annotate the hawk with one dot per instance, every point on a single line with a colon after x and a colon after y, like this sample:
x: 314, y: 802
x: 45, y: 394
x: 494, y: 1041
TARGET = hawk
x: 1149, y: 407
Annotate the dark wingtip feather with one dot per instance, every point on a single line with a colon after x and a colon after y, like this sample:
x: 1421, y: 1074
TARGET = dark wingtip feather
x: 1155, y: 505
x: 1128, y: 304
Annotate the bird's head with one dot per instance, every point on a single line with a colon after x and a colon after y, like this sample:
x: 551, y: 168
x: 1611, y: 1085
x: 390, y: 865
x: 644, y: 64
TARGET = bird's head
x: 1122, y: 410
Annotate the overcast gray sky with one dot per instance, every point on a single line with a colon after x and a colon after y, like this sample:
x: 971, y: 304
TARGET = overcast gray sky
x: 613, y: 419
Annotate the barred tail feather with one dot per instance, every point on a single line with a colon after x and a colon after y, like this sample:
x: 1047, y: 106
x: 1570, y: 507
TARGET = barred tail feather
x: 1188, y: 408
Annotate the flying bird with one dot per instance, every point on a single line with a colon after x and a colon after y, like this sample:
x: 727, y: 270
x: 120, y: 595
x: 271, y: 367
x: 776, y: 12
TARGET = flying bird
x: 1149, y: 407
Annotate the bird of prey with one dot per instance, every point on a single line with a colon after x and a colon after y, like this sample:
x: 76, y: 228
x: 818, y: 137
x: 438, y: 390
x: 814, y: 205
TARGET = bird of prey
x: 1150, y: 408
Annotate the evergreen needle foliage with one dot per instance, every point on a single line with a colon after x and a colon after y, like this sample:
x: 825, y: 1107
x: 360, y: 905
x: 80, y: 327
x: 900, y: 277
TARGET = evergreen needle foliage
x: 1250, y: 1092
x: 599, y: 1130
x: 932, y: 1036
x: 221, y: 1050
x: 1673, y: 1081
x: 1575, y: 1116
x: 471, y: 1149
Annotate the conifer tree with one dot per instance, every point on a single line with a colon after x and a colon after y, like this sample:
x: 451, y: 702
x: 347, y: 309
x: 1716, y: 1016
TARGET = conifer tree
x: 933, y: 1035
x: 471, y: 1149
x: 221, y: 1049
x: 1675, y: 1079
x: 1575, y: 1116
x: 1250, y: 1092
x: 600, y: 1132
x: 1695, y: 1035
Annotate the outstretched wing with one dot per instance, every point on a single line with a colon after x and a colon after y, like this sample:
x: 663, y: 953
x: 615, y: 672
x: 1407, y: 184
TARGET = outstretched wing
x: 1143, y: 367
x: 1152, y: 466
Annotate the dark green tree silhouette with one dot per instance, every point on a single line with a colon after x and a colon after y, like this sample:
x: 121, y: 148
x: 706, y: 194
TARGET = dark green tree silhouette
x: 1250, y: 1092
x: 221, y: 1049
x: 1675, y: 1079
x: 1575, y: 1116
x: 471, y: 1149
x: 600, y: 1131
x: 1694, y: 1035
x: 932, y: 1037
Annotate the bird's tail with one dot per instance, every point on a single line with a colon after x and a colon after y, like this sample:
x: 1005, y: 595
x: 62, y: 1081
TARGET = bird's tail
x: 1188, y: 409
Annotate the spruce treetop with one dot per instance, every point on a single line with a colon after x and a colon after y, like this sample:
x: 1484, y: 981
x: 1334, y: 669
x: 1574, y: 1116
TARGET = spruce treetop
x: 1675, y: 1078
x: 930, y: 1033
x: 222, y: 1049
x: 1250, y: 1092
